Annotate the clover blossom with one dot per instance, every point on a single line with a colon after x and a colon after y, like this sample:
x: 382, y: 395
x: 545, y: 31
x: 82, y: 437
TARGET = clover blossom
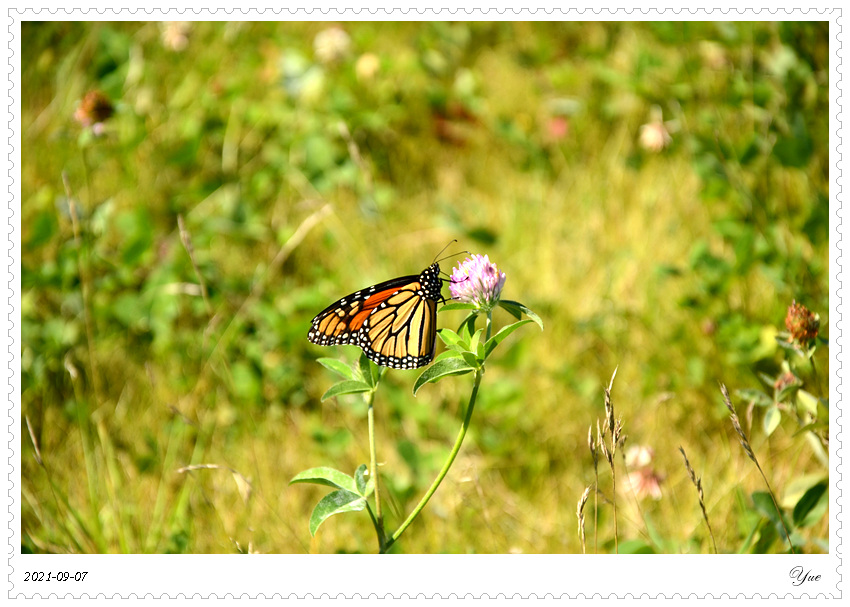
x: 477, y: 281
x: 643, y: 480
x: 655, y: 134
x: 367, y: 66
x: 802, y: 323
x: 94, y: 109
x: 175, y: 35
x: 332, y: 45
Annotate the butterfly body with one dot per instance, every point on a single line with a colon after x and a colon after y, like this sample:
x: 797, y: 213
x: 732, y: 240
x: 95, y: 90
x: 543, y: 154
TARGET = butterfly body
x: 394, y: 322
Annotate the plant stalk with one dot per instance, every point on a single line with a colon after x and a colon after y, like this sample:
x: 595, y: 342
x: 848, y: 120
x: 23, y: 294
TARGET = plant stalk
x: 614, y: 501
x: 455, y: 449
x: 596, y: 510
x: 816, y: 376
x: 85, y: 287
x: 479, y: 373
x: 373, y: 471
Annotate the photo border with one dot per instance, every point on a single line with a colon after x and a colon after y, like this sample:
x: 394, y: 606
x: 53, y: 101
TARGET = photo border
x: 300, y: 576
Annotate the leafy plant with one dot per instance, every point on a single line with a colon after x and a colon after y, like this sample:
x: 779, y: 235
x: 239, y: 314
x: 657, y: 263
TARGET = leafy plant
x: 467, y: 351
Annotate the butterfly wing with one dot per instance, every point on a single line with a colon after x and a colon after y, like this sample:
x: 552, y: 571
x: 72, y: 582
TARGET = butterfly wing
x: 394, y: 322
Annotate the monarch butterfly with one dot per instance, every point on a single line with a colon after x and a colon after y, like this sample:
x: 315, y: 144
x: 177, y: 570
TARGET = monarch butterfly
x: 394, y: 322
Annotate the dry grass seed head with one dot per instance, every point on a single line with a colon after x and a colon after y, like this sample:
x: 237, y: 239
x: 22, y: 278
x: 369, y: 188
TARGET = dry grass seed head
x: 581, y: 503
x: 593, y: 446
x: 694, y: 479
x: 736, y: 423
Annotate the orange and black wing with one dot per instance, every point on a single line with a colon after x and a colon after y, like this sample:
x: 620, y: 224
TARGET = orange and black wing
x: 394, y: 322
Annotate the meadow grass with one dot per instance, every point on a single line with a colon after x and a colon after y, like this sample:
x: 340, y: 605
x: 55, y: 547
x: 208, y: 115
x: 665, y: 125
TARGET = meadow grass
x: 171, y: 266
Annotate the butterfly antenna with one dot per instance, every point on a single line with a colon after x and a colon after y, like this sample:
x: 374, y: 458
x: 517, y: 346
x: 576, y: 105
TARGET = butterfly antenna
x: 449, y: 256
x: 451, y: 242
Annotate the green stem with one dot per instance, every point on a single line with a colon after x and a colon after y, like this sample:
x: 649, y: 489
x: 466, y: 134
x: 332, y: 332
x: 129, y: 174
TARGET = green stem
x: 815, y: 374
x: 614, y: 500
x: 776, y: 506
x: 458, y: 442
x: 378, y: 518
x: 479, y: 373
x: 596, y: 510
x: 85, y: 283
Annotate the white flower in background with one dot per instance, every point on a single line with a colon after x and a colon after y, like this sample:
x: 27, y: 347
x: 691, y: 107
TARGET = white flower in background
x: 643, y: 480
x: 645, y: 483
x: 175, y: 34
x: 367, y: 66
x: 301, y: 79
x: 654, y: 135
x: 713, y: 55
x: 639, y: 456
x: 331, y: 45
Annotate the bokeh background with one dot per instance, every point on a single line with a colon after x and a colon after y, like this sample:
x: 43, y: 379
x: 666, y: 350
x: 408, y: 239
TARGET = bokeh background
x: 656, y: 192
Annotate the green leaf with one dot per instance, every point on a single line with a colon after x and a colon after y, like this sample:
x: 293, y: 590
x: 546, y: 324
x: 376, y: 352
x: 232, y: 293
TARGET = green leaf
x: 377, y: 372
x: 796, y: 148
x: 518, y: 309
x: 772, y: 417
x: 467, y: 327
x: 501, y: 335
x: 764, y: 504
x: 448, y: 336
x: 807, y: 401
x: 767, y: 379
x: 329, y: 477
x: 820, y: 425
x: 457, y: 305
x: 457, y: 341
x: 346, y: 387
x: 782, y: 342
x: 765, y: 535
x: 473, y: 343
x: 786, y: 394
x: 335, y: 502
x: 757, y: 397
x: 512, y: 308
x: 452, y: 353
x: 366, y: 371
x: 656, y: 539
x: 774, y: 528
x: 458, y: 350
x: 812, y: 505
x: 246, y: 381
x: 42, y: 229
x: 795, y: 488
x: 438, y: 370
x: 471, y: 359
x: 339, y: 367
x: 635, y: 547
x: 364, y: 484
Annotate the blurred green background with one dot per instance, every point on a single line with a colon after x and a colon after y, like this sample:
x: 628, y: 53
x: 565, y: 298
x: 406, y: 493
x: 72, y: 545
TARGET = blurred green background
x: 656, y: 192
